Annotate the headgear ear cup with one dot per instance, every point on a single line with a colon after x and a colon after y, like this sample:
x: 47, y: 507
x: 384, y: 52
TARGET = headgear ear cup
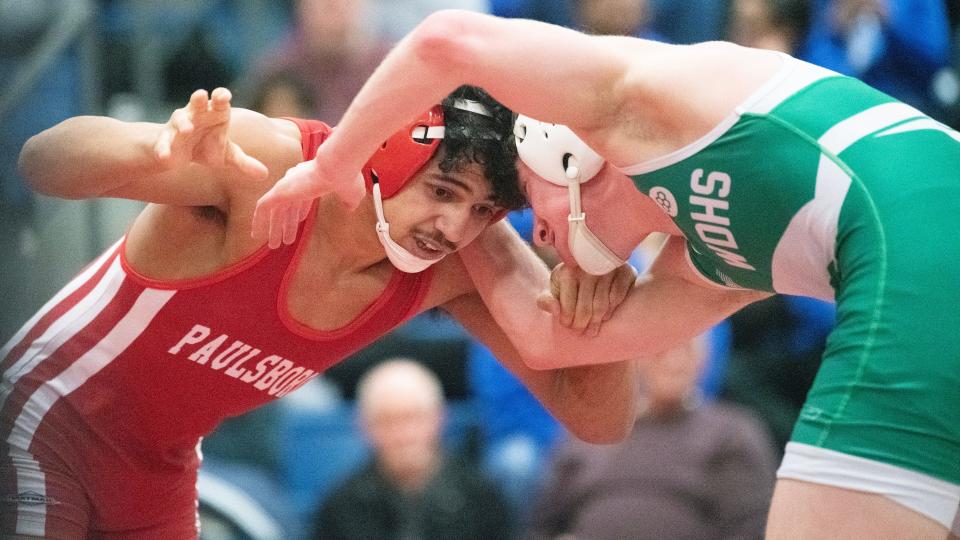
x: 400, y: 157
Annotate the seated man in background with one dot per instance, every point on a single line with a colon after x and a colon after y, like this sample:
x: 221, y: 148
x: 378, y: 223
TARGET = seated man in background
x: 410, y: 488
x: 690, y: 469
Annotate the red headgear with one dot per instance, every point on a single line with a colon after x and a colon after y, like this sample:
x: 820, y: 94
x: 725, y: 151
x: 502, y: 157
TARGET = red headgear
x: 405, y: 153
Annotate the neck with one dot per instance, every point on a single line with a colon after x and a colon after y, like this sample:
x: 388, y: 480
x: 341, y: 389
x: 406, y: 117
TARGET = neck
x: 416, y: 480
x: 636, y: 214
x: 348, y: 237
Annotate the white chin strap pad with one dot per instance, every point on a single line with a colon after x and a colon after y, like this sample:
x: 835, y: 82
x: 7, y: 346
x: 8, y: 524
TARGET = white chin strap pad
x: 554, y: 152
x: 591, y: 255
x: 399, y: 257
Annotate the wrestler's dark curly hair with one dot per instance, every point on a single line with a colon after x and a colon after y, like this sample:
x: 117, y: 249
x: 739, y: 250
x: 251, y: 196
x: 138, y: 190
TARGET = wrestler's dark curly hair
x: 486, y: 140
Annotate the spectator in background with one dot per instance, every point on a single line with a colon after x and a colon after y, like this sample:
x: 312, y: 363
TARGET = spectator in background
x: 333, y: 47
x: 410, y: 489
x: 398, y: 17
x: 690, y: 470
x: 779, y: 25
x: 895, y: 46
x: 40, y: 85
x: 284, y: 94
x: 689, y: 21
x: 616, y: 17
x: 551, y: 11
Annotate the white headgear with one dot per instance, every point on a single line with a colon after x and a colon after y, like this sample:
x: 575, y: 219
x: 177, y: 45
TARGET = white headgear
x: 556, y: 154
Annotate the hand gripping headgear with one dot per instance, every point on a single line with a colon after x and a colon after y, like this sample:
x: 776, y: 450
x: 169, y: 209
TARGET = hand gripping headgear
x: 397, y: 160
x: 557, y: 155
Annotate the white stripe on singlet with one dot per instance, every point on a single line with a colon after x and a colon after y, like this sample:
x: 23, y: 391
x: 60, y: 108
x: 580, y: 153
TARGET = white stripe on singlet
x: 146, y: 307
x: 69, y: 289
x: 64, y: 328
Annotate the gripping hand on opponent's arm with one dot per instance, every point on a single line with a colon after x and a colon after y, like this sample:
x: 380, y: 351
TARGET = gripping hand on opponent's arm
x: 197, y: 133
x: 583, y: 301
x: 282, y: 208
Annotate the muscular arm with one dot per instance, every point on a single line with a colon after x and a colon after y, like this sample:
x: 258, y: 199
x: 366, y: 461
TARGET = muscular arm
x: 545, y: 71
x: 596, y: 403
x: 664, y: 309
x: 90, y: 156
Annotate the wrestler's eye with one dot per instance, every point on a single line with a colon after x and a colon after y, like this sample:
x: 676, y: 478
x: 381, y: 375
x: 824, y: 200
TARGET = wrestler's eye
x: 442, y: 193
x: 483, y: 210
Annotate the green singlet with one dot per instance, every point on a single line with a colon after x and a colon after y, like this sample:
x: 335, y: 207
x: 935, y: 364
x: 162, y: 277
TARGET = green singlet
x: 821, y: 186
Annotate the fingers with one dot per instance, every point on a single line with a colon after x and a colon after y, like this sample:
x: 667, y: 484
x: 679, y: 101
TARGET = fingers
x: 585, y: 295
x: 564, y: 282
x: 220, y: 99
x: 304, y: 210
x: 623, y: 282
x: 548, y: 303
x: 351, y: 193
x: 601, y: 303
x: 248, y: 166
x: 290, y: 224
x: 277, y: 217
x: 162, y: 148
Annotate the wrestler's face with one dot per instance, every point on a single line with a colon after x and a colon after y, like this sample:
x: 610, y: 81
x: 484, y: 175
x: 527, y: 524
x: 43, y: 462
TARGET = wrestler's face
x: 551, y: 208
x: 438, y: 212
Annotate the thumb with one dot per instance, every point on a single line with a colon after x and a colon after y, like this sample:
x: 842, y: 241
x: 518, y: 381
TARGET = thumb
x: 352, y: 192
x: 548, y: 303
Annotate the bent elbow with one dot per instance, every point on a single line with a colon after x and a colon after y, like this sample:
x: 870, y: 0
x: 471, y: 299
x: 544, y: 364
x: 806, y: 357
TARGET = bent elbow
x: 604, y: 431
x: 538, y: 357
x: 445, y: 39
x: 29, y: 164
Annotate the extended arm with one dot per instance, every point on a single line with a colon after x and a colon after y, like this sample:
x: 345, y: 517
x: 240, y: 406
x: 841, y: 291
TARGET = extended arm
x: 596, y: 403
x: 665, y: 308
x: 624, y: 96
x: 180, y: 162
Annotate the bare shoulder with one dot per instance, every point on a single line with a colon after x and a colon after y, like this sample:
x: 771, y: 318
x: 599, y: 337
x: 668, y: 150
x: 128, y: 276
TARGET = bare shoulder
x: 178, y: 241
x: 275, y: 143
x: 671, y: 95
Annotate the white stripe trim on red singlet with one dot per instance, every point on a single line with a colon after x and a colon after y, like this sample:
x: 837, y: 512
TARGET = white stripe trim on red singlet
x: 144, y: 309
x: 64, y: 328
x: 66, y: 291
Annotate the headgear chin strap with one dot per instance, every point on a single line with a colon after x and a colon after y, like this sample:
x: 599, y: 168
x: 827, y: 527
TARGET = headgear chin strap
x: 396, y: 162
x: 399, y: 257
x: 556, y: 154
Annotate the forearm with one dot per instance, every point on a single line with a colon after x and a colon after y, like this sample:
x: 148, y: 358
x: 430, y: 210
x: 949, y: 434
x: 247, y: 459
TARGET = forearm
x: 661, y: 311
x: 596, y: 403
x: 88, y: 156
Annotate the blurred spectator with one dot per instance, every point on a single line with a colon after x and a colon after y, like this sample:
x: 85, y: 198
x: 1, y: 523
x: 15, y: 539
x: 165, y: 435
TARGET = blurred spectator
x: 779, y: 25
x: 551, y: 11
x: 616, y: 18
x: 895, y: 46
x: 517, y: 434
x: 689, y: 21
x: 690, y: 470
x: 282, y: 94
x: 776, y: 352
x: 398, y: 17
x: 333, y: 48
x: 40, y: 85
x: 410, y: 489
